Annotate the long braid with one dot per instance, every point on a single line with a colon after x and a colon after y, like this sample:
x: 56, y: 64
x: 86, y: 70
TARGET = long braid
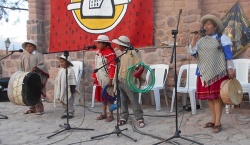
x: 219, y: 40
x: 110, y: 47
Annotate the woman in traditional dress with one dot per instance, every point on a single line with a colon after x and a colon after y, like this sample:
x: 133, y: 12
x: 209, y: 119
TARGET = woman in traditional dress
x: 212, y: 51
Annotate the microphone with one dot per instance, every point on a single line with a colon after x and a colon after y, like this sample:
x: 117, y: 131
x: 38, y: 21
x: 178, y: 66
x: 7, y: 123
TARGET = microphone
x: 90, y: 47
x: 180, y: 11
x: 202, y: 31
x: 20, y: 50
x: 132, y: 48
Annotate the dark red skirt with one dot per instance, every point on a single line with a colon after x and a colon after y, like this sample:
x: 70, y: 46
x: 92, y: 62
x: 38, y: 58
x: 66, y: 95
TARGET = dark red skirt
x: 210, y: 92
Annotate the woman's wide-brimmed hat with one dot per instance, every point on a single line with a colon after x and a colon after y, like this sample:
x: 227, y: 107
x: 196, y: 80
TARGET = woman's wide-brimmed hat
x: 215, y: 19
x: 122, y: 40
x: 30, y: 42
x: 68, y: 59
x: 102, y: 38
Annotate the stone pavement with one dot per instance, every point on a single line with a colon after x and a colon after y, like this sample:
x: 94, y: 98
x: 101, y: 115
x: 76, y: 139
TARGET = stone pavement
x: 31, y: 129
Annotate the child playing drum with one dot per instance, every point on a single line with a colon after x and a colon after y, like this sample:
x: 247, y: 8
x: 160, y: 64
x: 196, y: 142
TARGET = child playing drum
x: 33, y: 62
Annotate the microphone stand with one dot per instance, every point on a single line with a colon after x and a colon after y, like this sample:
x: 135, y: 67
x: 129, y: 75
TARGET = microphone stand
x: 117, y: 130
x: 6, y: 56
x: 3, y: 116
x: 177, y: 131
x: 67, y: 126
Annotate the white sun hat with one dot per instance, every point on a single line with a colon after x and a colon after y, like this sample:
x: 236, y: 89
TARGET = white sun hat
x: 102, y: 38
x: 31, y: 42
x: 63, y: 57
x: 122, y: 40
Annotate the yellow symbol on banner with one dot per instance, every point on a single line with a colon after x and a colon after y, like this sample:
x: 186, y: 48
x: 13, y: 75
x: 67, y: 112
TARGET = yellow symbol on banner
x: 98, y: 16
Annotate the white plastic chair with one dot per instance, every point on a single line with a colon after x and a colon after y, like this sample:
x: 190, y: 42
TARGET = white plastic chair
x: 190, y: 86
x: 78, y: 69
x: 93, y: 96
x: 242, y: 71
x: 161, y: 72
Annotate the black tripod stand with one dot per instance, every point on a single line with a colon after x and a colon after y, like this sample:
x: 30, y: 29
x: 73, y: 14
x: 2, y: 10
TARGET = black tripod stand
x: 67, y: 126
x: 4, y: 117
x: 177, y: 131
x: 117, y: 130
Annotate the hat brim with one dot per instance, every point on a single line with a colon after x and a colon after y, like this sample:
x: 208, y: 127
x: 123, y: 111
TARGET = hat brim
x: 24, y: 44
x: 119, y: 43
x: 60, y: 57
x: 215, y: 19
x: 106, y: 41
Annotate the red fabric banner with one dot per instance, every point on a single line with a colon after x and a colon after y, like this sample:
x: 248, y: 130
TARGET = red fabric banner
x: 76, y: 23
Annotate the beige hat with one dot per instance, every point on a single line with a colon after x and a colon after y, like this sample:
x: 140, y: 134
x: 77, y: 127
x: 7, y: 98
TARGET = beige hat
x: 29, y: 41
x: 215, y: 19
x: 102, y: 38
x: 63, y: 57
x: 122, y: 40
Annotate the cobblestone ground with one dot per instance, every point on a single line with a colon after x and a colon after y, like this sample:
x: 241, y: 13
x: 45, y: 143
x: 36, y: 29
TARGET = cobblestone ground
x: 31, y: 129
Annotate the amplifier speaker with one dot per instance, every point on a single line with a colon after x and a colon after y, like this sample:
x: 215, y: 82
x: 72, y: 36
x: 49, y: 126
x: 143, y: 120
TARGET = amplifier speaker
x: 4, y: 85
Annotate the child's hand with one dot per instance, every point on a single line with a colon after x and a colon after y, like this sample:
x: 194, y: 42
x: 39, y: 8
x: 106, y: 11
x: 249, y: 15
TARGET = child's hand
x: 231, y: 73
x: 33, y: 70
x: 110, y: 82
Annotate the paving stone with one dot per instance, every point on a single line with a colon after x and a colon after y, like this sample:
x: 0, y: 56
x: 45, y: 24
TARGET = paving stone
x: 240, y: 136
x: 30, y: 129
x: 244, y: 142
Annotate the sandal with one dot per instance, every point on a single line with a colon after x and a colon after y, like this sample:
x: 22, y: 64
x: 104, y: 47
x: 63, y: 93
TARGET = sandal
x: 141, y: 123
x: 217, y: 129
x: 109, y: 119
x: 122, y: 122
x: 101, y: 117
x: 208, y: 125
x: 30, y: 111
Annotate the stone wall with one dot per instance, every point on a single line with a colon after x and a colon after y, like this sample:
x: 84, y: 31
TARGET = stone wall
x: 165, y: 20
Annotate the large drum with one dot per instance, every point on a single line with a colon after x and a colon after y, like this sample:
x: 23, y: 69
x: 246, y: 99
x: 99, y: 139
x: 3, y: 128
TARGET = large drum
x: 24, y: 88
x: 231, y: 92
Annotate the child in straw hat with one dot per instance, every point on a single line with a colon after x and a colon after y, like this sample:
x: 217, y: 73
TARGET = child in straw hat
x: 105, y: 75
x: 60, y: 86
x: 33, y: 61
x: 131, y: 58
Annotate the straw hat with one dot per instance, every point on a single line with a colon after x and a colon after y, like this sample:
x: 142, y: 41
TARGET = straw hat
x: 231, y: 92
x: 30, y: 42
x: 122, y: 40
x: 215, y: 19
x: 63, y: 57
x: 102, y: 38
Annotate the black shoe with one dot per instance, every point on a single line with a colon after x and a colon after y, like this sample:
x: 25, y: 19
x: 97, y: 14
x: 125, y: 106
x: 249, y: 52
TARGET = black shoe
x: 65, y: 116
x: 70, y: 116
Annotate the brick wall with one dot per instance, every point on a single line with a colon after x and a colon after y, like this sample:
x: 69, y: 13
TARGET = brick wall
x: 165, y: 20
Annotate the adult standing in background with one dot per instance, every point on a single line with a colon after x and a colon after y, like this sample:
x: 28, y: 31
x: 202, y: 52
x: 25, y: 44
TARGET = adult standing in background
x: 214, y: 59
